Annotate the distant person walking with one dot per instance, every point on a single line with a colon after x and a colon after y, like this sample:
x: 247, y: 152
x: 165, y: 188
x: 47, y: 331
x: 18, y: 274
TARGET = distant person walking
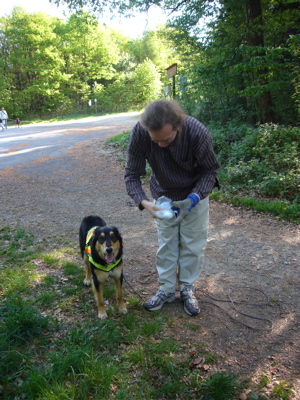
x: 4, y: 117
x: 18, y: 122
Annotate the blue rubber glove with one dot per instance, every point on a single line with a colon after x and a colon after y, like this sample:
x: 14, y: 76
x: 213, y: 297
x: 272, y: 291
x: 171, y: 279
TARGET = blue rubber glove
x: 185, y: 207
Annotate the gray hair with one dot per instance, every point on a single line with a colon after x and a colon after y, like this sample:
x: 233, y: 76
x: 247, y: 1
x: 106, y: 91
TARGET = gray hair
x: 161, y: 112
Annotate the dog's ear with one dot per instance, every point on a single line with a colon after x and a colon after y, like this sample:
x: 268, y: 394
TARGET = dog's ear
x: 98, y: 236
x: 95, y: 255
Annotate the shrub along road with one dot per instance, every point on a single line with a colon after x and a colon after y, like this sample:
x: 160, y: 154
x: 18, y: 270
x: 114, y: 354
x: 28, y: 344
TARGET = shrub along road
x: 50, y: 194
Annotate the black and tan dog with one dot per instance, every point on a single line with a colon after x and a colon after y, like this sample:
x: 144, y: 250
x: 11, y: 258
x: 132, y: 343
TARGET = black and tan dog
x: 102, y: 248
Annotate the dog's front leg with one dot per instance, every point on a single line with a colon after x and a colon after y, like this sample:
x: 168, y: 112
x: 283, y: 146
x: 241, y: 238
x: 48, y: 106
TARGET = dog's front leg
x: 119, y: 293
x: 98, y: 292
x: 88, y: 273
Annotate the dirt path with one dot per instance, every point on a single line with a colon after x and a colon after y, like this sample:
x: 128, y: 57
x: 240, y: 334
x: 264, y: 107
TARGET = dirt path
x: 51, y: 196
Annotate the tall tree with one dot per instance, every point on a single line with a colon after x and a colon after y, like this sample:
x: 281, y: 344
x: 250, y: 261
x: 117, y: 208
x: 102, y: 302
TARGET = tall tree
x: 90, y: 54
x: 31, y: 64
x: 256, y: 39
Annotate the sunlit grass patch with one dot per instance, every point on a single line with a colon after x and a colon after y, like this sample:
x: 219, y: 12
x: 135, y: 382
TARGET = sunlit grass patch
x: 16, y: 246
x: 56, y: 258
x: 18, y: 279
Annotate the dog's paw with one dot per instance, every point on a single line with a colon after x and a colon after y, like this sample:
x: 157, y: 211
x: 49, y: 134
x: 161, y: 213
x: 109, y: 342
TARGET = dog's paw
x: 87, y: 282
x: 123, y: 310
x: 102, y: 315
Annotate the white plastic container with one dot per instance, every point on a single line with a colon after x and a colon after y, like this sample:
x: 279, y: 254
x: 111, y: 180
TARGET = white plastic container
x: 165, y: 203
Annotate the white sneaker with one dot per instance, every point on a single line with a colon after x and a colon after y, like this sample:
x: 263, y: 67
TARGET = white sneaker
x: 157, y: 301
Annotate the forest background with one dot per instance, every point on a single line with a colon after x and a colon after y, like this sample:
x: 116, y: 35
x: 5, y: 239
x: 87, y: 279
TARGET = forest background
x: 239, y: 73
x: 242, y: 63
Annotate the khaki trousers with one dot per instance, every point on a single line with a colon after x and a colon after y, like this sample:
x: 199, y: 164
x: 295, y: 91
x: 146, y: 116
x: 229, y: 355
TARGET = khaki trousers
x: 180, y: 255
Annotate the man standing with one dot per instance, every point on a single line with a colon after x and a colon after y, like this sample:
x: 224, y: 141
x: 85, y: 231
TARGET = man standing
x: 184, y: 168
x: 4, y: 117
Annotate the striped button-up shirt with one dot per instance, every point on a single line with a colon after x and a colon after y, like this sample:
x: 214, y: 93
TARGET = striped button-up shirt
x: 187, y: 165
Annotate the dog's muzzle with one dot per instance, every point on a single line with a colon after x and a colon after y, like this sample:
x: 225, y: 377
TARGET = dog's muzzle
x: 109, y: 256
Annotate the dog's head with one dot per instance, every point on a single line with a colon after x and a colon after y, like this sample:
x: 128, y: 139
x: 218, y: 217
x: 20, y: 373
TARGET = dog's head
x: 107, y: 245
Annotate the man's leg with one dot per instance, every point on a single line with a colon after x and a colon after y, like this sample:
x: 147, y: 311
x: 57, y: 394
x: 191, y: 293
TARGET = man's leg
x: 167, y: 255
x: 166, y: 265
x: 193, y: 238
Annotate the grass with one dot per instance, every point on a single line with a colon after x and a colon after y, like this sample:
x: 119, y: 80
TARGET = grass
x: 52, y: 346
x: 219, y: 386
x: 20, y: 323
x: 283, y: 210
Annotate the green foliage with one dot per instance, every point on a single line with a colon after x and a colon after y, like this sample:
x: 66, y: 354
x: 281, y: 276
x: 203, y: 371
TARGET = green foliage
x: 146, y: 85
x: 153, y: 46
x: 262, y: 161
x: 294, y: 48
x: 120, y: 141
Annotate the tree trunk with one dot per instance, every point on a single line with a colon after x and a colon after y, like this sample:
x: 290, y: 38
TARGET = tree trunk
x: 256, y: 25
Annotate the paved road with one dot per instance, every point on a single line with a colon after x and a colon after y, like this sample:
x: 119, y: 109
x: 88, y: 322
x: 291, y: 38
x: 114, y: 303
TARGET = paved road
x: 20, y: 146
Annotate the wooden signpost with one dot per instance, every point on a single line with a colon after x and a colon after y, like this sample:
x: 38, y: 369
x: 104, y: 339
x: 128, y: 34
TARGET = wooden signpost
x: 171, y: 72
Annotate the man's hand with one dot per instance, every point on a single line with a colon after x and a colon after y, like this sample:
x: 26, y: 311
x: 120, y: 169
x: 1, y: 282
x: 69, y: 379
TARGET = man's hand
x: 184, y: 210
x: 185, y: 207
x: 151, y: 207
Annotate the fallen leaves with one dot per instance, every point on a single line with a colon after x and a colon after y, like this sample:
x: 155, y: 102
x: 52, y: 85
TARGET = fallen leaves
x: 199, y: 363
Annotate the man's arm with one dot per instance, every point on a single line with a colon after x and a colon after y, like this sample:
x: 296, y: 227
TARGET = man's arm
x: 135, y: 168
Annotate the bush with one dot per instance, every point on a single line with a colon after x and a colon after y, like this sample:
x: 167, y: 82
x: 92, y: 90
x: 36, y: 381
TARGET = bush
x: 263, y: 161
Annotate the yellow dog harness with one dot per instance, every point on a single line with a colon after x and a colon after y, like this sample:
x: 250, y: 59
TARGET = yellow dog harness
x: 88, y: 250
